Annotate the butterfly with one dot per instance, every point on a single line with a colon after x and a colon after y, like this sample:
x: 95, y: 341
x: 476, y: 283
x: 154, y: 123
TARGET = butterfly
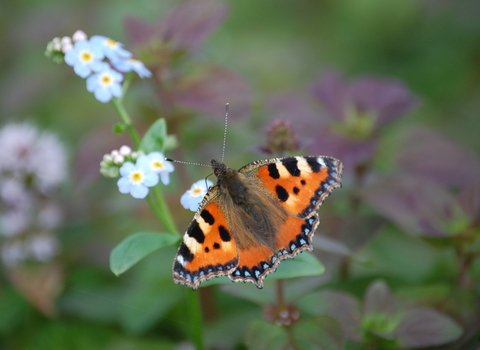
x: 254, y: 218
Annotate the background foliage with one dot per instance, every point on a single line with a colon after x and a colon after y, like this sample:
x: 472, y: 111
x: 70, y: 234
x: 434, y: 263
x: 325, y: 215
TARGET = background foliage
x: 399, y: 242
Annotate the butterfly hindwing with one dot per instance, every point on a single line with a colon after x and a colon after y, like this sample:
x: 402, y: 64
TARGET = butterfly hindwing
x: 299, y: 183
x: 208, y: 248
x: 293, y: 237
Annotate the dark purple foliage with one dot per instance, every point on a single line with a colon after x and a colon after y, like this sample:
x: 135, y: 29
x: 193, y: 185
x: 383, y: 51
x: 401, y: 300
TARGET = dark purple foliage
x: 210, y: 89
x: 418, y: 206
x: 425, y: 152
x: 424, y: 327
x: 385, y: 99
x: 379, y: 299
x: 184, y: 28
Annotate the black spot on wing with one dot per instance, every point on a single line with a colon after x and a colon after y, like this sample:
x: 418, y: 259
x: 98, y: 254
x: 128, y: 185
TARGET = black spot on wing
x: 209, y: 219
x: 185, y: 253
x: 207, y: 249
x: 282, y: 193
x: 196, y: 232
x: 291, y: 164
x: 296, y: 190
x: 216, y: 245
x: 224, y: 234
x: 273, y: 171
x: 303, y: 182
x: 313, y: 163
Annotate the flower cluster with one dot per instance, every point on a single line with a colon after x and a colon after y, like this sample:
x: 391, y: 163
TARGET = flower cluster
x: 111, y: 162
x: 100, y: 60
x: 138, y: 172
x: 32, y: 166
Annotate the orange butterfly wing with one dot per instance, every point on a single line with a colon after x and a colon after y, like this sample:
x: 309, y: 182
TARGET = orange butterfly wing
x: 300, y: 185
x: 208, y: 248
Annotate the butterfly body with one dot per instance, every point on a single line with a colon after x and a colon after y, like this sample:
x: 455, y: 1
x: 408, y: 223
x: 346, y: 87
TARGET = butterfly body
x: 255, y: 217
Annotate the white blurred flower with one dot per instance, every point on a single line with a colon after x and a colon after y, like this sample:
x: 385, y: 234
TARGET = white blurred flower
x: 13, y: 222
x: 125, y: 150
x: 42, y: 247
x: 26, y: 151
x: 13, y: 253
x: 79, y: 35
x: 13, y: 193
x: 49, y: 216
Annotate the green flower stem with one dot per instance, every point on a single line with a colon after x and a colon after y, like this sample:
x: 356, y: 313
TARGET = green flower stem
x: 161, y: 210
x: 195, y: 310
x: 127, y: 121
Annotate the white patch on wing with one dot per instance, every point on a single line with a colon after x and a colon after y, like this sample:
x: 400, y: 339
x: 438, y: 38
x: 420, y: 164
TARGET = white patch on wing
x: 303, y: 165
x: 192, y: 244
x: 181, y: 260
x: 321, y: 162
x: 282, y: 170
x: 204, y: 226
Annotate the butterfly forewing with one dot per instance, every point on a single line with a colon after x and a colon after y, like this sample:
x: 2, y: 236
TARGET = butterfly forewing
x: 208, y: 248
x: 299, y: 183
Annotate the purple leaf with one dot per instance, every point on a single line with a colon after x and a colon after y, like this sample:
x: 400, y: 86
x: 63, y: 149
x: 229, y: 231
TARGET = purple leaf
x: 379, y: 299
x: 426, y: 153
x: 292, y: 107
x: 341, y: 306
x: 331, y: 91
x: 425, y: 327
x: 138, y: 31
x: 351, y: 152
x: 416, y: 205
x: 209, y: 90
x: 386, y: 99
x: 191, y: 22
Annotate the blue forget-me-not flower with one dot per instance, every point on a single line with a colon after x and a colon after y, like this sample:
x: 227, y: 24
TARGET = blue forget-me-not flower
x: 136, y: 179
x: 101, y: 60
x: 111, y: 48
x: 85, y: 58
x: 158, y: 164
x: 193, y: 197
x: 105, y: 84
x: 131, y: 64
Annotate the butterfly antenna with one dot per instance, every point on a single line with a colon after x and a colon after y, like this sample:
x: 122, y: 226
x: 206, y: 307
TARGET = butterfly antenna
x: 227, y: 109
x: 186, y: 163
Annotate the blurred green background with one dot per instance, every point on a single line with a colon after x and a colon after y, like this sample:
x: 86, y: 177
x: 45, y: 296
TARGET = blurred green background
x: 278, y: 48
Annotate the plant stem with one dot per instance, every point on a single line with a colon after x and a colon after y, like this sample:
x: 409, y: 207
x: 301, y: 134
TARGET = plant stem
x: 161, y: 210
x: 127, y: 121
x: 195, y: 310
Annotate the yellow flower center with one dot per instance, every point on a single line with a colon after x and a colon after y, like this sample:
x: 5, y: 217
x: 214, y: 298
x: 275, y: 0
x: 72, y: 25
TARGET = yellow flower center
x: 157, y: 164
x: 197, y: 191
x: 136, y: 177
x: 106, y: 79
x: 86, y: 56
x: 112, y: 43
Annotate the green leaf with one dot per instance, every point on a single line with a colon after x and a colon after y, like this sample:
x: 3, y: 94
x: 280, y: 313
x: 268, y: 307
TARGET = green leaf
x: 137, y: 246
x: 262, y: 335
x: 319, y: 333
x: 302, y: 265
x: 155, y: 137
